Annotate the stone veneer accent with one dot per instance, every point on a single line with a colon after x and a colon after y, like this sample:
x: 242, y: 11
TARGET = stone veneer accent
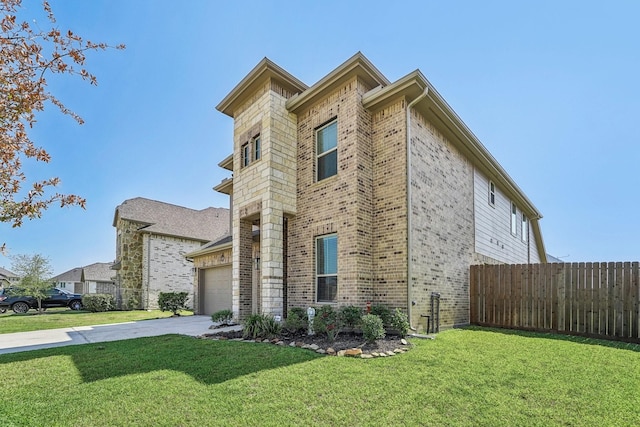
x: 264, y: 192
x: 129, y: 251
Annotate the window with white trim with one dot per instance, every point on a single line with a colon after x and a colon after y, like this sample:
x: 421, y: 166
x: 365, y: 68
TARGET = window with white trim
x: 327, y: 268
x: 514, y: 219
x: 245, y: 154
x: 525, y: 228
x: 250, y: 151
x: 327, y: 150
x: 492, y: 194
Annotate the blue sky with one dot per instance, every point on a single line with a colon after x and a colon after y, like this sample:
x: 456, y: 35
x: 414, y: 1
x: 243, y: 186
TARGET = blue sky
x: 550, y: 88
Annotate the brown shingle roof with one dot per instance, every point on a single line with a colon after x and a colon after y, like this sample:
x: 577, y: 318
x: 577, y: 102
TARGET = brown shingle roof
x: 98, y: 272
x: 167, y: 219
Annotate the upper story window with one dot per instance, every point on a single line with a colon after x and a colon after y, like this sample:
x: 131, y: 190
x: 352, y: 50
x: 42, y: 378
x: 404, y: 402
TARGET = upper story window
x: 492, y: 194
x: 514, y: 219
x: 327, y: 150
x: 327, y: 268
x: 250, y: 151
x: 525, y: 228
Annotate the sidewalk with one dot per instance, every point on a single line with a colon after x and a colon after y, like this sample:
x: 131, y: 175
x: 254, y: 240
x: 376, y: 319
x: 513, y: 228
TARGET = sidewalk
x: 24, y: 341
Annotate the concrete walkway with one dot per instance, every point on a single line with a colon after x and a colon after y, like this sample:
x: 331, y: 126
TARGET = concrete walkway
x: 187, y: 325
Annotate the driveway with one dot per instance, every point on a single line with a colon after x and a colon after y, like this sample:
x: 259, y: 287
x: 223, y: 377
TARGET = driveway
x: 185, y: 325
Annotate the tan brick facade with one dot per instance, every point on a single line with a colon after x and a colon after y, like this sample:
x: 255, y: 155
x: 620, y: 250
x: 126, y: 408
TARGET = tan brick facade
x: 366, y: 204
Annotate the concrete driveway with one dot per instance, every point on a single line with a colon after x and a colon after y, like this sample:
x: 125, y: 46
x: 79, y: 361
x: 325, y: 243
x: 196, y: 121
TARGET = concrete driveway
x: 24, y: 341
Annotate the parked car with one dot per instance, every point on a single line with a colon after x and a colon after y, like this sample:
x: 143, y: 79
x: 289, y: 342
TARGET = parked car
x: 3, y: 309
x: 56, y: 297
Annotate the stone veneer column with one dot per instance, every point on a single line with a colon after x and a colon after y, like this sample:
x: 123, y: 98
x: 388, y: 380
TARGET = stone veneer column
x: 272, y: 259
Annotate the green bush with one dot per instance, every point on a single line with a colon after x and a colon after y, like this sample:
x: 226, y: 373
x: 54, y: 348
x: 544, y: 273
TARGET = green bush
x: 261, y: 326
x: 372, y: 328
x: 173, y: 301
x: 383, y: 313
x: 98, y: 302
x: 294, y: 323
x: 327, y: 322
x: 350, y: 316
x: 400, y: 322
x: 299, y: 311
x: 222, y: 316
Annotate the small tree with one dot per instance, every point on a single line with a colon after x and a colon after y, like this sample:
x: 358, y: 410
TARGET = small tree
x: 173, y: 301
x: 35, y: 271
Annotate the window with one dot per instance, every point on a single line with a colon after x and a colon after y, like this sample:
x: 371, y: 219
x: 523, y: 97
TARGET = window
x: 492, y: 194
x: 256, y: 148
x: 327, y: 268
x: 245, y: 155
x: 327, y: 151
x: 514, y: 219
x: 525, y: 228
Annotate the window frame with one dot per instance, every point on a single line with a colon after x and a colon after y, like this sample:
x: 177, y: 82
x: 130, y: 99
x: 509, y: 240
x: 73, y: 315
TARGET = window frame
x: 256, y: 148
x: 492, y: 194
x: 325, y: 153
x: 318, y: 276
x: 245, y: 155
x: 514, y: 219
x: 525, y: 228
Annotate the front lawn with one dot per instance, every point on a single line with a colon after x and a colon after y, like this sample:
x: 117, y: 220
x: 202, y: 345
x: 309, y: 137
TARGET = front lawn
x: 472, y: 377
x: 54, y: 318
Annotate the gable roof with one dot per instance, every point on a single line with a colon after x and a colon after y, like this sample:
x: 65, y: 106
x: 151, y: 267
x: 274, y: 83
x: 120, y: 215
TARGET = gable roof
x: 171, y: 220
x: 6, y: 273
x: 73, y: 275
x: 98, y: 272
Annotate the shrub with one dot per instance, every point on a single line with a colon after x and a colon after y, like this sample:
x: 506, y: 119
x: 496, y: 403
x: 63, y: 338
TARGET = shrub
x: 372, y: 328
x: 222, y: 316
x: 400, y: 322
x: 294, y: 323
x: 261, y: 326
x: 98, y: 302
x: 173, y: 301
x: 299, y: 311
x: 350, y: 316
x: 383, y: 312
x: 326, y: 322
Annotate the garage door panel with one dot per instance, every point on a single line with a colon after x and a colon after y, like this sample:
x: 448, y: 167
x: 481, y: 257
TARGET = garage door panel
x: 217, y: 289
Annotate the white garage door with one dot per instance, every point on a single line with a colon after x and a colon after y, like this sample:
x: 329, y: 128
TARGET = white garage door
x: 217, y: 289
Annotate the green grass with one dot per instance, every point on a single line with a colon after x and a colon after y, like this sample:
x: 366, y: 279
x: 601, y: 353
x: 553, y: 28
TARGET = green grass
x: 471, y: 377
x: 54, y: 318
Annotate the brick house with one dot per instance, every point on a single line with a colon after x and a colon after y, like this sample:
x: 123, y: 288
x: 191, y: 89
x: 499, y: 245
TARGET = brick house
x: 152, y: 238
x: 354, y: 190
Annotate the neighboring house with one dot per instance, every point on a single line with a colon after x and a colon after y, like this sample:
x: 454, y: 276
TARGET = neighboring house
x: 70, y: 280
x: 7, y: 278
x: 152, y: 238
x: 363, y: 191
x: 98, y: 278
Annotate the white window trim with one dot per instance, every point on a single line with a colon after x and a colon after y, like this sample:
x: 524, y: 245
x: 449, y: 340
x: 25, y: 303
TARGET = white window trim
x: 492, y: 194
x: 525, y: 228
x: 324, y: 153
x: 514, y: 219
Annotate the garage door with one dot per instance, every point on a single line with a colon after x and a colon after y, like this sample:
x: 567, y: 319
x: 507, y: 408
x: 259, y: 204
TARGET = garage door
x: 217, y: 289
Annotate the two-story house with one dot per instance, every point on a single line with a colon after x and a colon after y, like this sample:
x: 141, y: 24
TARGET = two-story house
x: 152, y: 239
x: 358, y: 190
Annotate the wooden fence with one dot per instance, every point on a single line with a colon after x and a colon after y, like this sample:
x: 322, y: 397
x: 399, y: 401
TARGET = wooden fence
x: 593, y: 299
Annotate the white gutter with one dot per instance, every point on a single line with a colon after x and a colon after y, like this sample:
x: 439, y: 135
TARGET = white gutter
x: 409, y: 215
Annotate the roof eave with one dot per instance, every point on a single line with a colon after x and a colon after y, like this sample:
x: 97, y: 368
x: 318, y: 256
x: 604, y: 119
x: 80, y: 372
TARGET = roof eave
x: 257, y: 76
x: 358, y: 65
x: 209, y: 250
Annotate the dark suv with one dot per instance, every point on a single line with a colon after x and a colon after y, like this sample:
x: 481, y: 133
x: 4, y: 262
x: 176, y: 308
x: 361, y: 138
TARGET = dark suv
x: 55, y: 298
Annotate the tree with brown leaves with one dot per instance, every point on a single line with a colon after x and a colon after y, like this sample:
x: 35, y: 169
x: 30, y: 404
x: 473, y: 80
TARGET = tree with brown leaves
x: 27, y: 55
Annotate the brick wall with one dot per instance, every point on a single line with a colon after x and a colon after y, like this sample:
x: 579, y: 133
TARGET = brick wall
x: 442, y: 236
x: 341, y: 204
x: 390, y: 205
x: 165, y: 269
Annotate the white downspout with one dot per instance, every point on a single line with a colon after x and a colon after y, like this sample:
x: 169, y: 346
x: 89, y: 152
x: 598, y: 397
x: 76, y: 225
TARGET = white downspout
x: 409, y: 215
